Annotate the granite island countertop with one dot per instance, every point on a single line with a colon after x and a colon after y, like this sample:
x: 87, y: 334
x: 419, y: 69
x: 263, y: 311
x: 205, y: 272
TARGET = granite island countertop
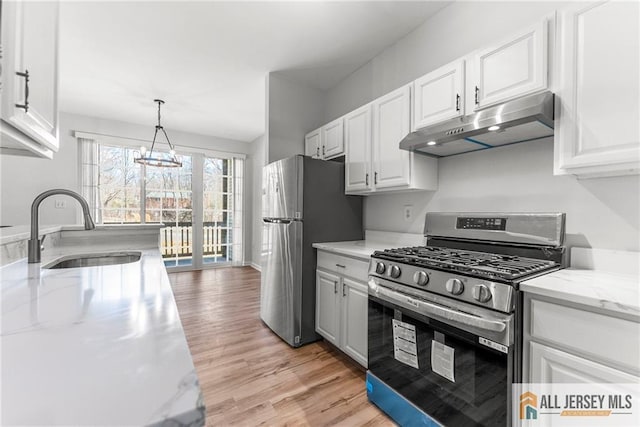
x: 95, y: 345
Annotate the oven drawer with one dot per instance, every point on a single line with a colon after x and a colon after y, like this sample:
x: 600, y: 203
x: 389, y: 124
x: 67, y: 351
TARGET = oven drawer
x: 343, y: 265
x: 603, y: 338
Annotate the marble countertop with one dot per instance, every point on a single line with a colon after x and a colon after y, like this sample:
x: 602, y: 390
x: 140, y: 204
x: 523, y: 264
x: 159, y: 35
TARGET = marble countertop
x: 95, y: 345
x: 23, y: 232
x: 358, y: 248
x: 374, y: 241
x: 618, y: 293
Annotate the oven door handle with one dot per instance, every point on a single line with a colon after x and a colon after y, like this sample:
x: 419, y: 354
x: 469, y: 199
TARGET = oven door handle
x: 425, y: 307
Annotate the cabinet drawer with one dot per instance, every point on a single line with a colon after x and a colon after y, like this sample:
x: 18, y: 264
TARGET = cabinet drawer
x: 604, y: 338
x: 343, y: 265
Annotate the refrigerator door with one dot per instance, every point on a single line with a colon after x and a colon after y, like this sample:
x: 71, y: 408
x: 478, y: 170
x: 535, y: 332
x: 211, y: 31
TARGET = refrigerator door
x: 280, y: 294
x: 282, y: 189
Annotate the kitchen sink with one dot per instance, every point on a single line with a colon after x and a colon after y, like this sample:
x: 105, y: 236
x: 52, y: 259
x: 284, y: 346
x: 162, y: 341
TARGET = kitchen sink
x: 95, y: 260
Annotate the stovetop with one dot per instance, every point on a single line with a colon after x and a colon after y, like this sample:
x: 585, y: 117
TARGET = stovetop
x: 471, y: 263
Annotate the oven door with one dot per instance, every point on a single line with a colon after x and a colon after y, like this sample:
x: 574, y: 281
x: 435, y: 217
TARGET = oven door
x: 451, y: 360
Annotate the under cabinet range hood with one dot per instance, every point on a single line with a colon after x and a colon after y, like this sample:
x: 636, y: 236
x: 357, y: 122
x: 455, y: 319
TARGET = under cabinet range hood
x: 523, y: 119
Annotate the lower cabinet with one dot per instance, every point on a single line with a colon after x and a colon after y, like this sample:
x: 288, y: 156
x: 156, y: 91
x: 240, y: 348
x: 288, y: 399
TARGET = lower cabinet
x: 341, y: 312
x: 568, y: 343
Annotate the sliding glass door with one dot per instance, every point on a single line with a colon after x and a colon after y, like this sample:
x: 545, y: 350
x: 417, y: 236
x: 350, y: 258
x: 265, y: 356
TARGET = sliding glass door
x: 200, y: 204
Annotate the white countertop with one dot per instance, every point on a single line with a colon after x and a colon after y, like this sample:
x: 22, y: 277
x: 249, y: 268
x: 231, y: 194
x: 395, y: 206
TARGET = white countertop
x: 374, y: 241
x: 95, y: 345
x: 23, y: 232
x: 619, y: 293
x: 358, y: 248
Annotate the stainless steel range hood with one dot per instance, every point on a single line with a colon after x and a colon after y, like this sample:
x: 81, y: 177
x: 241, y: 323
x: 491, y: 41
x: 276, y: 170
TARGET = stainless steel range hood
x: 523, y: 119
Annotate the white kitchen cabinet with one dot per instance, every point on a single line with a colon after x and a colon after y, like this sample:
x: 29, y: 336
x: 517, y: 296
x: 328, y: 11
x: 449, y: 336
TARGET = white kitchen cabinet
x: 30, y: 78
x: 374, y: 162
x: 357, y: 134
x: 333, y: 139
x: 439, y: 95
x: 598, y: 94
x: 327, y: 310
x: 550, y: 365
x: 342, y: 303
x: 313, y: 144
x: 355, y: 302
x: 512, y: 68
x: 570, y: 343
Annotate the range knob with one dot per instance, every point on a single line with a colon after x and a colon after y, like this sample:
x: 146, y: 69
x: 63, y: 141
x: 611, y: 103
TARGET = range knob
x: 481, y: 293
x: 380, y: 268
x: 395, y: 271
x: 420, y: 278
x: 455, y: 286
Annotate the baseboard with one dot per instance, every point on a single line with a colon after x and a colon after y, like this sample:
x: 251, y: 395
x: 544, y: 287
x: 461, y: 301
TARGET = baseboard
x: 255, y: 266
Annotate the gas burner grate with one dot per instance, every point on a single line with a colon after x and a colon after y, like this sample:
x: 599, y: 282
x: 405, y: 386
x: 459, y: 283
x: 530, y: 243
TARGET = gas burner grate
x: 483, y: 264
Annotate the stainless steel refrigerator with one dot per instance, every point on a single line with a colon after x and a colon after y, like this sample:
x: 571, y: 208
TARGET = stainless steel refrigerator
x: 303, y: 202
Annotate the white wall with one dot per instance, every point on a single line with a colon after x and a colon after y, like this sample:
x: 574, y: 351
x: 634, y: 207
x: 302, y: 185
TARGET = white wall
x: 258, y: 156
x: 23, y: 178
x: 293, y: 110
x: 601, y: 213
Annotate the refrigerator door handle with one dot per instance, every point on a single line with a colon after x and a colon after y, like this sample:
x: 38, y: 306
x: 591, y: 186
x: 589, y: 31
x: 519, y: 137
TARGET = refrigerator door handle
x: 277, y: 220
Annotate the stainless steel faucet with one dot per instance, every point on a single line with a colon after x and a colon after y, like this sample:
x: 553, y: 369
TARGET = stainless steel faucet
x: 34, y: 242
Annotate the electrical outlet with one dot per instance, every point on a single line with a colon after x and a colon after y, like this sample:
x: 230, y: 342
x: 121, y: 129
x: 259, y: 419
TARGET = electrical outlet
x: 408, y: 212
x: 60, y: 204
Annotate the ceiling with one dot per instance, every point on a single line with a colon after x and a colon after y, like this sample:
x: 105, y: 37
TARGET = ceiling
x: 208, y: 60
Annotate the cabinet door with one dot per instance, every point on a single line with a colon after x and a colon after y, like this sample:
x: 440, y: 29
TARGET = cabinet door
x: 354, y: 320
x: 515, y: 67
x: 549, y: 365
x: 357, y: 132
x: 598, y: 95
x: 439, y: 95
x: 333, y: 139
x: 30, y: 43
x: 327, y: 313
x: 391, y: 123
x: 312, y: 144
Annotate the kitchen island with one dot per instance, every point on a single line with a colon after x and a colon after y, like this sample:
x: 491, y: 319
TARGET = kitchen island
x: 95, y: 345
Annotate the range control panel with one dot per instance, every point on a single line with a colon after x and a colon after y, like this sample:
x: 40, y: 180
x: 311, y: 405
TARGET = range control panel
x: 466, y: 223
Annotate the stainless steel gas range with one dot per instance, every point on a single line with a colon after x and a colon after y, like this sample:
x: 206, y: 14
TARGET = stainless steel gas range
x: 445, y: 319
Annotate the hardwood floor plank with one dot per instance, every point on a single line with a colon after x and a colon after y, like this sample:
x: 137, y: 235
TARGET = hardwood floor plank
x: 248, y: 375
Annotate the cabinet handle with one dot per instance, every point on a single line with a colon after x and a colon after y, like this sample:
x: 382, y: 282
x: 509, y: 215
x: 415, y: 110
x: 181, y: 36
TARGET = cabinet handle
x: 457, y: 102
x: 24, y: 106
x: 343, y: 294
x: 477, y: 95
x: 335, y: 287
x: 366, y: 179
x: 340, y: 265
x: 375, y: 177
x: 323, y: 150
x: 318, y: 151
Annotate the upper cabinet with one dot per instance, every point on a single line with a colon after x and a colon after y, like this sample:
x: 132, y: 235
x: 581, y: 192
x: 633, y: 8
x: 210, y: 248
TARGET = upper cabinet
x: 598, y: 95
x: 373, y: 160
x: 439, y: 95
x: 326, y: 142
x: 30, y: 78
x: 514, y: 67
x: 313, y: 144
x: 357, y: 131
x: 333, y: 139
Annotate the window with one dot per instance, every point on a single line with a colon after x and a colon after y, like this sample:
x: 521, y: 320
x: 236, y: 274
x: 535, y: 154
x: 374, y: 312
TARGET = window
x: 123, y: 192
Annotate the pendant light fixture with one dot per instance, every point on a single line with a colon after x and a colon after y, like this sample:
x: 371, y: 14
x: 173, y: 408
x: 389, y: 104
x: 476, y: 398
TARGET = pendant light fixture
x: 162, y: 160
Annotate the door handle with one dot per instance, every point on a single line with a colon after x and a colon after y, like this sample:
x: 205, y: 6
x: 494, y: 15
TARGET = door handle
x: 24, y: 106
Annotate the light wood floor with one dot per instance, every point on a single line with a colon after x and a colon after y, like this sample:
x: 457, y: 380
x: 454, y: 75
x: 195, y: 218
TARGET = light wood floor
x: 251, y: 377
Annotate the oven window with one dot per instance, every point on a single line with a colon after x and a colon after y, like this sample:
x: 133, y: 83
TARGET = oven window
x: 478, y: 394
